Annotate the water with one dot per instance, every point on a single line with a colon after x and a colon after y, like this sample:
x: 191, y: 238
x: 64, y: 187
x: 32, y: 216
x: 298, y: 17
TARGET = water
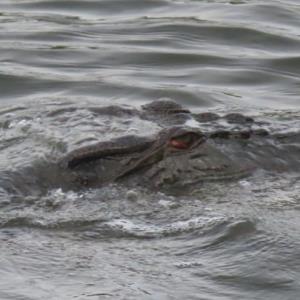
x: 61, y: 59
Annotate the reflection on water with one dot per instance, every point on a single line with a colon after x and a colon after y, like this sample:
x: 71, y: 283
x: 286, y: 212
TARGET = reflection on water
x: 60, y: 60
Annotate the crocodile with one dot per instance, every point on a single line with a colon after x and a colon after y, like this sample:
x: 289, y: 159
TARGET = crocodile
x: 184, y: 150
x: 180, y: 155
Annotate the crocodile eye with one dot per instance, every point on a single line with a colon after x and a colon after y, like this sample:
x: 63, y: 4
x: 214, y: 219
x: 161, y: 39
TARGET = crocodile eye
x: 178, y: 144
x: 186, y: 141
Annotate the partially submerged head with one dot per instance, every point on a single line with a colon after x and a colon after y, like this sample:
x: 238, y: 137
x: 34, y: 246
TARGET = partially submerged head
x: 182, y: 156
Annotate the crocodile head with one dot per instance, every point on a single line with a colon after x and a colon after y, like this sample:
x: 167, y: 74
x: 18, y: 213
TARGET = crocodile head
x: 183, y: 157
x: 176, y: 156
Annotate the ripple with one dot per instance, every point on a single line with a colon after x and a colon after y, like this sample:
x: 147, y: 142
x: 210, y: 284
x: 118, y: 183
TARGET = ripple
x: 62, y: 60
x: 190, y: 55
x: 128, y: 228
x: 90, y: 7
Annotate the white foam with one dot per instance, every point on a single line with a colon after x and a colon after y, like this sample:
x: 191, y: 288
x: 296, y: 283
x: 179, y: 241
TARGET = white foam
x: 142, y: 229
x: 192, y: 123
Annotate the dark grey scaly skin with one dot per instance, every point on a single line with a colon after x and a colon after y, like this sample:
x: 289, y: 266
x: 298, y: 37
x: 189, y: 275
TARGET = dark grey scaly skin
x: 153, y: 161
x: 163, y: 112
x: 119, y: 146
x: 106, y: 162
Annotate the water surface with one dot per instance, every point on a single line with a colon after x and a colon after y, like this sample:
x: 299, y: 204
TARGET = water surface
x: 58, y: 60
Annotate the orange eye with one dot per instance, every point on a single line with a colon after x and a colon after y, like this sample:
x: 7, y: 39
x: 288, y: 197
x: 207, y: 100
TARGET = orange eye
x: 186, y: 141
x: 179, y: 144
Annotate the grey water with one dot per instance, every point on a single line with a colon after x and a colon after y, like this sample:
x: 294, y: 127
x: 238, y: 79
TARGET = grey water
x: 58, y: 60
